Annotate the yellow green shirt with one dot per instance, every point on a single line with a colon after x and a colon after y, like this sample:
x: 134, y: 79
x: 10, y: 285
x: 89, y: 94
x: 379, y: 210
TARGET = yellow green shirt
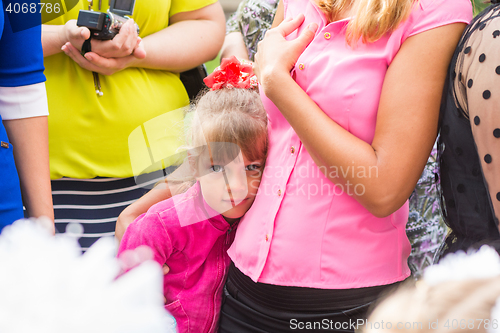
x: 89, y: 135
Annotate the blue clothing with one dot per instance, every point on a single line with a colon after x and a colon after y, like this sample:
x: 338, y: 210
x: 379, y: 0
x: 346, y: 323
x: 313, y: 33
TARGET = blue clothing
x: 21, y: 63
x: 21, y: 56
x: 11, y: 207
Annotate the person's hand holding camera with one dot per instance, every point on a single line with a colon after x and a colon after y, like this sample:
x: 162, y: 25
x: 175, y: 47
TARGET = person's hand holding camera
x: 109, y: 56
x: 71, y: 33
x: 125, y: 43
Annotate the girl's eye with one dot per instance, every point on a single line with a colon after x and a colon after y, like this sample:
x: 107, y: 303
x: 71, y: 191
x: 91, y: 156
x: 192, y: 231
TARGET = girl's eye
x: 216, y: 168
x: 252, y: 167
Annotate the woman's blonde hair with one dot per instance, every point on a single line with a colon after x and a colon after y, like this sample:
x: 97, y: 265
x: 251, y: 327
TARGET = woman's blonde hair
x: 234, y: 117
x: 372, y: 18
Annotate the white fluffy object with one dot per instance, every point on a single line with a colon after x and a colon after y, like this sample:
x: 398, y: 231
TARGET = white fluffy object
x: 482, y: 264
x: 48, y: 286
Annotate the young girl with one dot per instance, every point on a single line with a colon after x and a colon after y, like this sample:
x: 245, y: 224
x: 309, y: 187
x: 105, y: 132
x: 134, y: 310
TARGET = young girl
x: 192, y: 231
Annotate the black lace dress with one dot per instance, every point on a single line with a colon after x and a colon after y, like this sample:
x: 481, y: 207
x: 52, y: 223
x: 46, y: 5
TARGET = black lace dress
x: 469, y: 144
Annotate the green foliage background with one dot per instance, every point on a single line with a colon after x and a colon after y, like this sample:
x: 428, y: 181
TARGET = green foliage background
x: 479, y: 5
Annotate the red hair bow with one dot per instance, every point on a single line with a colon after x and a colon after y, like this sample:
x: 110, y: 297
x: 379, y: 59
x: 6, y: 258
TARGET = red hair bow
x: 231, y: 74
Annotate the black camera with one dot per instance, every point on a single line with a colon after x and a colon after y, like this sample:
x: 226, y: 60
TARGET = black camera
x: 105, y: 26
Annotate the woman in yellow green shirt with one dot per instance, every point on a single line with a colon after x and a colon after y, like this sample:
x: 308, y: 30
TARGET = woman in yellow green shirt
x: 93, y: 140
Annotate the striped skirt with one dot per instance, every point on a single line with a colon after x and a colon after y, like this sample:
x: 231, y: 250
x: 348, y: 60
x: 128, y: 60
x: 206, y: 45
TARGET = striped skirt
x: 96, y: 203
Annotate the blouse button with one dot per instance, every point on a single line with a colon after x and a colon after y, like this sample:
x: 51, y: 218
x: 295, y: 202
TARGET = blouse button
x: 292, y: 149
x: 327, y: 35
x: 267, y: 238
x: 301, y: 66
x: 279, y: 193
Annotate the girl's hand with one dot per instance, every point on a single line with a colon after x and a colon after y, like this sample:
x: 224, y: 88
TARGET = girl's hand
x: 94, y: 62
x: 277, y: 55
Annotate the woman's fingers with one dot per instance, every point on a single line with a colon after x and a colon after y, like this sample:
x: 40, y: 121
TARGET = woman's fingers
x: 126, y: 40
x: 139, y: 52
x: 276, y: 54
x: 74, y: 54
x: 92, y: 61
x: 80, y: 33
x: 99, y: 61
x: 288, y: 26
x: 305, y: 37
x: 122, y: 45
x: 74, y: 34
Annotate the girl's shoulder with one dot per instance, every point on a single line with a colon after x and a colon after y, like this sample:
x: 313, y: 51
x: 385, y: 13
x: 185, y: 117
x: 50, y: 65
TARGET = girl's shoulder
x: 168, y: 211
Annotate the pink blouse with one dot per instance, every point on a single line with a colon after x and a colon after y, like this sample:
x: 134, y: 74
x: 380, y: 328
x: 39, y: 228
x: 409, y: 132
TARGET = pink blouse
x: 302, y: 229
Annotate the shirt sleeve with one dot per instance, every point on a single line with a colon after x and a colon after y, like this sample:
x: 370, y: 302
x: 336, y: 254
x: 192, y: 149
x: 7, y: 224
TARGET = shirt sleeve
x: 147, y: 230
x: 435, y: 13
x: 21, y: 56
x: 179, y: 6
x: 23, y: 102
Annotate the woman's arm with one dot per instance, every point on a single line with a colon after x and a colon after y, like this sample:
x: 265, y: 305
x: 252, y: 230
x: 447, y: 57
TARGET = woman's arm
x: 125, y: 43
x: 406, y: 122
x: 279, y: 16
x: 191, y: 39
x: 234, y: 46
x: 234, y: 43
x: 29, y: 136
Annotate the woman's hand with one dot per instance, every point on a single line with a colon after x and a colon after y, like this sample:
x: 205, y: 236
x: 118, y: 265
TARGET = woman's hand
x: 94, y: 62
x: 71, y: 33
x: 124, y: 44
x: 276, y: 54
x: 107, y: 57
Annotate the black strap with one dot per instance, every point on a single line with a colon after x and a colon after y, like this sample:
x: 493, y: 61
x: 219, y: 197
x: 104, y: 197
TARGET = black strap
x: 86, y: 46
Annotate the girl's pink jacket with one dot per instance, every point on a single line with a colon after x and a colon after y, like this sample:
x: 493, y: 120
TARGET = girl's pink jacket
x: 192, y: 239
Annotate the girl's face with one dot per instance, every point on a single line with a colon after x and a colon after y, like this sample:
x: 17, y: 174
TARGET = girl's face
x: 229, y: 188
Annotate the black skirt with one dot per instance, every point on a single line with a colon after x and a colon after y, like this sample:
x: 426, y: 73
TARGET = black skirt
x: 260, y: 307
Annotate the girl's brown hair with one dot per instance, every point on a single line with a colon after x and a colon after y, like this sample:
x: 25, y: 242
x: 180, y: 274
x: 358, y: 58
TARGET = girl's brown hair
x: 372, y: 18
x: 232, y: 116
x: 235, y: 116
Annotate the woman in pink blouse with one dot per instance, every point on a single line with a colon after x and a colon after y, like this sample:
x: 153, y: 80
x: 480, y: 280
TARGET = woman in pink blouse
x: 352, y: 94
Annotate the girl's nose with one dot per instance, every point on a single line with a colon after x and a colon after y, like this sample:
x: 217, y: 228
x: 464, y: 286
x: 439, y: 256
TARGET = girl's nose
x: 237, y: 185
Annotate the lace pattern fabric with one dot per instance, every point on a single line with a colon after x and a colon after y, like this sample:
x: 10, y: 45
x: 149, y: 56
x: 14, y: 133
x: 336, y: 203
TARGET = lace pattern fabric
x: 469, y: 145
x: 252, y: 19
x: 426, y: 229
